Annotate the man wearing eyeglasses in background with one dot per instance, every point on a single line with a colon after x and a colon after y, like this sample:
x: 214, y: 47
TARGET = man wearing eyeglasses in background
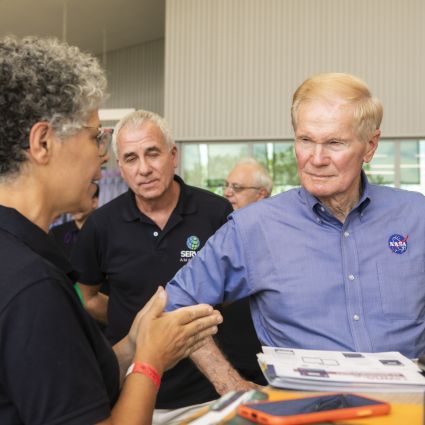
x: 139, y: 240
x: 246, y: 183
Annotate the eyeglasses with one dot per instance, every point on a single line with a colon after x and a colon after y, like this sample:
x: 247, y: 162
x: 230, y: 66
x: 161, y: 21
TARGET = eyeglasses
x: 236, y: 188
x: 103, y: 139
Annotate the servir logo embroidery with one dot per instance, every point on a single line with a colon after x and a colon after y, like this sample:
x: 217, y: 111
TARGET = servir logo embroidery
x: 193, y: 243
x: 398, y: 243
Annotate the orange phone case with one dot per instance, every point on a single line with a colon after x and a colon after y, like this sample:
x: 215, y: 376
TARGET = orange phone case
x: 250, y: 412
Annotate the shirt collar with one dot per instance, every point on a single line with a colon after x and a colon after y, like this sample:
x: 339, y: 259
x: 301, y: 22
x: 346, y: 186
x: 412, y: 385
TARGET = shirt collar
x: 185, y: 204
x: 14, y: 223
x: 313, y: 203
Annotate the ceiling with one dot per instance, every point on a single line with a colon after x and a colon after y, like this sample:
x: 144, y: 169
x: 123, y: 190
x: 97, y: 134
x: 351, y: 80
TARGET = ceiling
x: 93, y: 25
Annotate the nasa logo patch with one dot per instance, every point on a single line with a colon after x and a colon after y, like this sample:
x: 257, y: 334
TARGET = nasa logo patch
x: 398, y: 243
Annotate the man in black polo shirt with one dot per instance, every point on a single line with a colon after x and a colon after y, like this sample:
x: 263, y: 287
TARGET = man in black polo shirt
x: 142, y: 238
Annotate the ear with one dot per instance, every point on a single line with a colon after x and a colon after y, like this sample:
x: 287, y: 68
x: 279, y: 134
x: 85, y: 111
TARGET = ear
x: 263, y: 193
x: 40, y: 143
x: 372, y: 145
x: 175, y: 155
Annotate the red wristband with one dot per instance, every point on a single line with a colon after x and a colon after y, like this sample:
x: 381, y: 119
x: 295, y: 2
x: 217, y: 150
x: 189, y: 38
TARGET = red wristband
x: 146, y: 370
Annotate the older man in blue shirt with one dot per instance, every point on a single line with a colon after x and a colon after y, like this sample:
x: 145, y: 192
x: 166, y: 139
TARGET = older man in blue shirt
x: 338, y: 264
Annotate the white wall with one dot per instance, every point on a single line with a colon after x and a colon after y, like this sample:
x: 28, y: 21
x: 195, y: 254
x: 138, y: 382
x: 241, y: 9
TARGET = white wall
x: 136, y: 77
x: 231, y: 66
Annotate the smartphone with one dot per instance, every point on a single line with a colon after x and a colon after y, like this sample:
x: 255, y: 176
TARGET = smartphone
x: 312, y: 409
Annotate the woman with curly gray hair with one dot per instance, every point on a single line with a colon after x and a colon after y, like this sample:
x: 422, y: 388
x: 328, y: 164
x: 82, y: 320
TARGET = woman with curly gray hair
x: 55, y: 365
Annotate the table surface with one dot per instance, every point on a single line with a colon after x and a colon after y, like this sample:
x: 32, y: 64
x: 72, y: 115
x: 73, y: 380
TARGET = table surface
x: 406, y: 408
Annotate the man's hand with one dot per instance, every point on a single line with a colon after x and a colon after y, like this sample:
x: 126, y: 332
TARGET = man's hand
x: 212, y: 363
x: 162, y: 339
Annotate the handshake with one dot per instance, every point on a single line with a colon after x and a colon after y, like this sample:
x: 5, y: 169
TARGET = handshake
x: 162, y: 339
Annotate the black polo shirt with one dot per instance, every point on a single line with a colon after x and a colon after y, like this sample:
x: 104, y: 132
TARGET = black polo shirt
x: 120, y: 244
x: 55, y: 365
x: 65, y: 235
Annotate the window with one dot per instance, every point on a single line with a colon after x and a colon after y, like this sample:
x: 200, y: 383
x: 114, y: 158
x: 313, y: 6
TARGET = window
x: 397, y: 163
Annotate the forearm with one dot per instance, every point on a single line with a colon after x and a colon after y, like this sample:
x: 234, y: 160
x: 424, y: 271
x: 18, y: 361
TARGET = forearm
x: 212, y: 363
x: 95, y: 302
x: 136, y: 402
x: 124, y: 351
x: 138, y: 394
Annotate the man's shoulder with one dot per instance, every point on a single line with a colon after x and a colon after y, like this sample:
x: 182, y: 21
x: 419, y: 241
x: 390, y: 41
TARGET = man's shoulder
x: 388, y: 193
x: 112, y: 208
x: 208, y: 201
x: 206, y: 195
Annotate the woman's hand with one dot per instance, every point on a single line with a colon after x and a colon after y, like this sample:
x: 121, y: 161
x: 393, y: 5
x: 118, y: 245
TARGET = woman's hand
x: 162, y: 339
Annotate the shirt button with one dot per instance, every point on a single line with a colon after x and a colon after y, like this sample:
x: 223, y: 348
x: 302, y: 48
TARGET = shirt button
x: 155, y: 234
x: 346, y: 234
x: 322, y: 209
x: 318, y: 220
x: 356, y: 317
x: 351, y: 277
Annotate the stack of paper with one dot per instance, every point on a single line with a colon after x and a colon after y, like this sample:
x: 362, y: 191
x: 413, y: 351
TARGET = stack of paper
x: 312, y: 370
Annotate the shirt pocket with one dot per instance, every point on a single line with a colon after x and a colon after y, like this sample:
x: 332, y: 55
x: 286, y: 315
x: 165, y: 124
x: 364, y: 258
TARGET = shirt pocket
x: 402, y: 290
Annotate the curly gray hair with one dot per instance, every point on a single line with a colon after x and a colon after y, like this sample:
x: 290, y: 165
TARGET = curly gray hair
x: 43, y: 80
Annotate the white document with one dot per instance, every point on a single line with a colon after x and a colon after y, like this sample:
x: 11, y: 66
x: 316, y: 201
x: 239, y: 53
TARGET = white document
x: 336, y: 370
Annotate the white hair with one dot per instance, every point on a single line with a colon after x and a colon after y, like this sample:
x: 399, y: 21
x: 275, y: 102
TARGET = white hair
x: 261, y: 176
x: 137, y: 119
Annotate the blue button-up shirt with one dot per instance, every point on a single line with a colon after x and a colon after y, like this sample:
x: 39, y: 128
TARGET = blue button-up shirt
x: 317, y: 283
